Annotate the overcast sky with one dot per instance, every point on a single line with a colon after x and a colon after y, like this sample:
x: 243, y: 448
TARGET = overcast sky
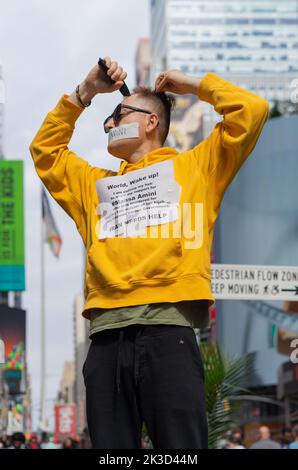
x: 46, y: 49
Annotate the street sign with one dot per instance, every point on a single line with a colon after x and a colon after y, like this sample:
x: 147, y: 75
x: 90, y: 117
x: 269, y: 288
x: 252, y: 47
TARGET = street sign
x: 254, y: 282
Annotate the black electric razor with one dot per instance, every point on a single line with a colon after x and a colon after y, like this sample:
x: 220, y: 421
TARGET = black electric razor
x: 124, y: 89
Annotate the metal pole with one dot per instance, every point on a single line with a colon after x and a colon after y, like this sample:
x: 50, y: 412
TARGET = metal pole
x: 42, y: 332
x: 17, y: 299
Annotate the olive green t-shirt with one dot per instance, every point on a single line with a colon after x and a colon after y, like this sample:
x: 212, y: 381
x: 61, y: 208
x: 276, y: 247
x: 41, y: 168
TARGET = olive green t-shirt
x: 193, y: 313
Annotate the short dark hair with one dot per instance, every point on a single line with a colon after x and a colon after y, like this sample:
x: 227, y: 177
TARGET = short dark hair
x: 163, y: 104
x: 19, y: 437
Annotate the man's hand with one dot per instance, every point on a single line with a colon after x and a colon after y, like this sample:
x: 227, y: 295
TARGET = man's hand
x: 95, y: 82
x: 175, y: 81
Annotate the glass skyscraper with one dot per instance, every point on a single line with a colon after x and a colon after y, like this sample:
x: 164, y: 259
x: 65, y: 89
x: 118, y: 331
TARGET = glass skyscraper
x: 225, y: 36
x: 253, y: 44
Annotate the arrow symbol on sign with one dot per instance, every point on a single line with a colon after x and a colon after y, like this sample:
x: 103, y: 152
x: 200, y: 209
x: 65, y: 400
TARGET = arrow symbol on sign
x: 291, y: 290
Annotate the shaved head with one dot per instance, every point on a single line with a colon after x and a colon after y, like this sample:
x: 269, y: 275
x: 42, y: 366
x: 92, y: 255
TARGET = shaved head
x: 160, y: 103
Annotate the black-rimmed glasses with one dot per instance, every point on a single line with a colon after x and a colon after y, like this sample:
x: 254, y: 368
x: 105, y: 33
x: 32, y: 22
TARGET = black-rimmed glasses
x: 116, y: 115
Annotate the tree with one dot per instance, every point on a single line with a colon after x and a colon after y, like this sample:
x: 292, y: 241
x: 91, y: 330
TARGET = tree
x: 224, y: 379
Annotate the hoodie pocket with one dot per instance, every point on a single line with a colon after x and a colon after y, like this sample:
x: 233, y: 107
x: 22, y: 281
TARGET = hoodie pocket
x: 114, y: 261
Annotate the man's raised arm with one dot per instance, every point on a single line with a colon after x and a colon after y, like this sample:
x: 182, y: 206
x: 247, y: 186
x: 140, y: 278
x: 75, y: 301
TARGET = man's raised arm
x: 244, y: 113
x: 63, y: 173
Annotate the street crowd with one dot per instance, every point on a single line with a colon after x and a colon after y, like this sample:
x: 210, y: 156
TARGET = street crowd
x: 288, y: 439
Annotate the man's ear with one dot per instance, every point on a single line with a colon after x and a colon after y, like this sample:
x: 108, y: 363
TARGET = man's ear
x: 152, y: 121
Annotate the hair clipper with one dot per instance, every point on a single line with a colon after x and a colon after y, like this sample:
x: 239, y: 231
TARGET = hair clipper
x: 124, y: 89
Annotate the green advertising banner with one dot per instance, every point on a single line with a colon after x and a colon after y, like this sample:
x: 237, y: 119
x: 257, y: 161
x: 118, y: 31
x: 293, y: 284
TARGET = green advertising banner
x: 12, y: 271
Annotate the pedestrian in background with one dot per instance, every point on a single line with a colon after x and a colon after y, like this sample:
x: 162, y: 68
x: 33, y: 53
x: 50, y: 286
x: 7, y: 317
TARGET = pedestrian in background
x: 264, y: 440
x: 294, y: 443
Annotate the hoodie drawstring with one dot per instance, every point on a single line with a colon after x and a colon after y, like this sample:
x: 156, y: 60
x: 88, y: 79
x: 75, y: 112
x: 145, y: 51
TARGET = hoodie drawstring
x: 135, y: 366
x: 136, y: 356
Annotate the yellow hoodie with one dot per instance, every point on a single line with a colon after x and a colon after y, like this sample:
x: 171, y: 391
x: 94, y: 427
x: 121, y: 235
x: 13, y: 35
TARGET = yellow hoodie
x: 151, y: 267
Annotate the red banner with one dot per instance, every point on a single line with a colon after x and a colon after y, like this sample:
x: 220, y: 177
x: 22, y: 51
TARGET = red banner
x: 65, y: 421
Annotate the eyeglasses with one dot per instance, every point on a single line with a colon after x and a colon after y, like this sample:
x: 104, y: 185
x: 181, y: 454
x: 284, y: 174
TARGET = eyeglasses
x: 117, y: 116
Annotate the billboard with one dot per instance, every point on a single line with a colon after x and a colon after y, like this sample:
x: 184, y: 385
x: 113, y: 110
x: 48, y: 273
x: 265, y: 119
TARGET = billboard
x: 13, y: 337
x: 12, y: 272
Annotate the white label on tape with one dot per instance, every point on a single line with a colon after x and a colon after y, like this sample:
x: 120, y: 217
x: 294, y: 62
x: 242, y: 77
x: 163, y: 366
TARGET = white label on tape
x: 127, y: 131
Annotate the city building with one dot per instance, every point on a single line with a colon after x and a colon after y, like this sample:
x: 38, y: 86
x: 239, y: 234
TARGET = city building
x: 81, y: 345
x: 250, y: 43
x: 225, y: 36
x: 143, y: 62
x: 66, y: 392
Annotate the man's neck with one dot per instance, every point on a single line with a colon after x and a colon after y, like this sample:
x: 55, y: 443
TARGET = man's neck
x: 142, y: 150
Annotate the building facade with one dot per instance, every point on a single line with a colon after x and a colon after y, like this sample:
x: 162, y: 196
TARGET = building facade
x: 225, y: 36
x: 250, y: 43
x: 81, y: 344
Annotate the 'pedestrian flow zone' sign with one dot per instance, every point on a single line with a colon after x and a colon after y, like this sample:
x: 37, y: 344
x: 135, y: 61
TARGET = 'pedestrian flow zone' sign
x: 252, y: 282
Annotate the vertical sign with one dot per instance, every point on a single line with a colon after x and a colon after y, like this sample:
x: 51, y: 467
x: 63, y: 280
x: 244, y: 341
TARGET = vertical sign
x: 12, y: 273
x: 65, y: 421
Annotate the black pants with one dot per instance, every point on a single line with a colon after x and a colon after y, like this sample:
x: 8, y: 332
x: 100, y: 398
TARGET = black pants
x: 151, y: 374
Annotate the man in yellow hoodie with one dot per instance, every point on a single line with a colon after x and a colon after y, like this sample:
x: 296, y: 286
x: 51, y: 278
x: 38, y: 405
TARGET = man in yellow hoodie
x: 148, y: 231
